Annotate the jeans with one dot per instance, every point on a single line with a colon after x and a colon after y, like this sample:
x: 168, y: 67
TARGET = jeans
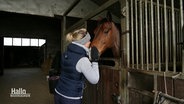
x: 62, y: 100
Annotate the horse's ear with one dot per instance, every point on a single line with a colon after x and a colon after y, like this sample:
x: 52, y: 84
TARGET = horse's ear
x: 109, y: 16
x: 99, y: 19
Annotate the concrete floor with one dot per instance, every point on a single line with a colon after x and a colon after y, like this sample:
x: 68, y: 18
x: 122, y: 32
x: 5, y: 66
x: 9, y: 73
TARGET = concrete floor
x: 32, y: 80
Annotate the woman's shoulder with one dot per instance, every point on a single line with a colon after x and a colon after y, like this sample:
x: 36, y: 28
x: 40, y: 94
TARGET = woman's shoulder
x: 84, y: 59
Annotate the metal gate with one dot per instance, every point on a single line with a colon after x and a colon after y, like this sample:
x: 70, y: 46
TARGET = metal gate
x: 152, y: 48
x: 155, y: 34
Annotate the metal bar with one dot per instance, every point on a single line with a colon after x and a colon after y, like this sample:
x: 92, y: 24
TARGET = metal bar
x: 71, y: 7
x: 161, y: 5
x: 141, y: 33
x: 63, y: 34
x: 132, y: 32
x: 180, y: 101
x: 182, y: 32
x: 166, y: 36
x: 173, y: 36
x: 162, y: 35
x: 183, y: 60
x: 152, y: 36
x: 158, y: 33
x: 128, y: 35
x: 136, y: 35
x: 152, y: 73
x: 128, y: 49
x: 146, y: 33
x: 179, y: 49
x: 170, y: 35
x: 125, y: 91
x: 92, y: 14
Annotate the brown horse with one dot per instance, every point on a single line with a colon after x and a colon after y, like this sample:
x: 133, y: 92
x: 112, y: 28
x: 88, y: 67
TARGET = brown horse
x: 107, y: 36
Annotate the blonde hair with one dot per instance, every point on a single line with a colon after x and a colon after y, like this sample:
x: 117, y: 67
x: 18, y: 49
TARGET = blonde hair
x: 76, y: 35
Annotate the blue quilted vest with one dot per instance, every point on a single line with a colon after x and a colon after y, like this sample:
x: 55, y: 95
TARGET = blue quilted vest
x: 71, y: 82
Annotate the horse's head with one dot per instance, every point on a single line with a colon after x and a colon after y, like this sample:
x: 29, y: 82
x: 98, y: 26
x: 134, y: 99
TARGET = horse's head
x: 106, y: 36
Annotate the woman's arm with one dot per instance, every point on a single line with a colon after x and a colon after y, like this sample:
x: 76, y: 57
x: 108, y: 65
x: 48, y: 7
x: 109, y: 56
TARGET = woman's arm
x: 90, y: 70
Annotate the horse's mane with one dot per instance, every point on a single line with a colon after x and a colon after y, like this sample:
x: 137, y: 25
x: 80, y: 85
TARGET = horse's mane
x: 102, y: 20
x: 116, y: 47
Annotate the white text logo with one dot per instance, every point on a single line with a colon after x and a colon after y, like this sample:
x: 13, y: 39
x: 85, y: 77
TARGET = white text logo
x: 20, y: 92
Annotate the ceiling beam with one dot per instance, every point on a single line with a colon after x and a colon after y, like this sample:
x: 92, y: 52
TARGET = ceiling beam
x: 92, y: 14
x: 71, y: 7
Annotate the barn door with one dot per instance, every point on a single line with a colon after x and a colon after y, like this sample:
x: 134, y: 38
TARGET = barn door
x: 1, y: 55
x: 108, y: 88
x: 107, y: 91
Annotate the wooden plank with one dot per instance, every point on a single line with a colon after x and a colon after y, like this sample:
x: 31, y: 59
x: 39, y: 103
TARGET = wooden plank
x: 92, y: 14
x: 90, y: 94
x: 167, y: 74
x: 71, y: 7
x: 138, y: 96
x: 179, y: 89
x: 169, y: 85
x: 141, y: 81
x: 109, y: 85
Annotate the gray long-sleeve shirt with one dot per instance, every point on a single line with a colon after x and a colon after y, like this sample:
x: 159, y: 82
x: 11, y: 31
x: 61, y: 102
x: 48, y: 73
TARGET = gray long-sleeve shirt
x: 89, y: 69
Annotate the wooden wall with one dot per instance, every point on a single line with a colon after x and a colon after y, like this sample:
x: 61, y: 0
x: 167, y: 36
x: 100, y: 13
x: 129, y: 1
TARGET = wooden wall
x: 107, y: 91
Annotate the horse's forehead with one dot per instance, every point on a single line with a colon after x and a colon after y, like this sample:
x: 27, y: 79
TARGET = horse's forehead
x: 106, y: 25
x: 103, y: 26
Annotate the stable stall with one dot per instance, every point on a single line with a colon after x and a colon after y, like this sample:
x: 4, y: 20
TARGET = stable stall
x: 150, y: 66
x: 153, y: 51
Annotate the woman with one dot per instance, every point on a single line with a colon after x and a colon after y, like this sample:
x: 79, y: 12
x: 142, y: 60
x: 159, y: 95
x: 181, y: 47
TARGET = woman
x: 76, y: 67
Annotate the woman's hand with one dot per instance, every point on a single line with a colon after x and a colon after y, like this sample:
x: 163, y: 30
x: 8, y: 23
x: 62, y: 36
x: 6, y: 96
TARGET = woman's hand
x: 94, y: 54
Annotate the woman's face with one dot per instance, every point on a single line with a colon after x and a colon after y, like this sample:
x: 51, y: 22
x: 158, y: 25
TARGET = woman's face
x: 87, y: 44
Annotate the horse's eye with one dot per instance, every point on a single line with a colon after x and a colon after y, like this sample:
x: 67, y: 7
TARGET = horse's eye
x: 106, y: 31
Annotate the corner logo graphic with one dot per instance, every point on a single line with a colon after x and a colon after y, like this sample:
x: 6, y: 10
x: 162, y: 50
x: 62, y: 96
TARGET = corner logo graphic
x: 20, y: 92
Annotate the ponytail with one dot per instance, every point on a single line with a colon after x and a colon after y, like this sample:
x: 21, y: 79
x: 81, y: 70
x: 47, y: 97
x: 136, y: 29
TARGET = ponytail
x: 76, y: 35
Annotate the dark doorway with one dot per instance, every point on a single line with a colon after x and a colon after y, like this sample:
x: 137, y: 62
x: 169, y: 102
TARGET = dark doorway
x: 17, y: 25
x: 17, y: 56
x: 1, y: 56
